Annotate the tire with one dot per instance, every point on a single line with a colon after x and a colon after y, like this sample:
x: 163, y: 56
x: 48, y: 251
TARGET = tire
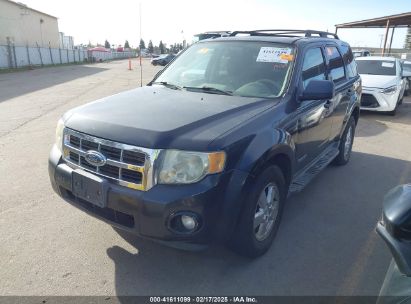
x: 346, y: 143
x: 400, y: 101
x: 393, y: 112
x: 251, y: 239
x: 407, y: 88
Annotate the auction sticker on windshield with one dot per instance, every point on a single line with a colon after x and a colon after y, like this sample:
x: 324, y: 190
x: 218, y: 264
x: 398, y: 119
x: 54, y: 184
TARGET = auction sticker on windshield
x: 274, y: 54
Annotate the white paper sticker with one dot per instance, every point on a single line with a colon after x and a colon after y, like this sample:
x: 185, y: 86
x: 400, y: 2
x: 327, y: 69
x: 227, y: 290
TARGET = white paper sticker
x: 274, y: 54
x: 387, y: 64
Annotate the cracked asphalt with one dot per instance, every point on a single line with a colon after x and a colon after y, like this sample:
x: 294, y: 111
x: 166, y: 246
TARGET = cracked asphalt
x: 326, y: 244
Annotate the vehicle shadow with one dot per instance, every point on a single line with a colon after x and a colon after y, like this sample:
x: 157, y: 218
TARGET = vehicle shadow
x: 369, y: 125
x: 23, y: 82
x: 374, y: 123
x: 326, y: 244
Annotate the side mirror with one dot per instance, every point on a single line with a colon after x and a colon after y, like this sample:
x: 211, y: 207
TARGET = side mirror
x: 395, y: 227
x: 318, y: 89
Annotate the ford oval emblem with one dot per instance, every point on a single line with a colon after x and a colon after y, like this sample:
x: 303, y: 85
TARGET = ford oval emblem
x: 95, y: 158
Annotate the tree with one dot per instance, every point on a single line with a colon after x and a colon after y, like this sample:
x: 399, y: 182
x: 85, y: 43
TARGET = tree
x: 142, y: 44
x: 162, y: 47
x: 107, y: 44
x: 150, y: 47
x: 407, y: 42
x: 126, y: 45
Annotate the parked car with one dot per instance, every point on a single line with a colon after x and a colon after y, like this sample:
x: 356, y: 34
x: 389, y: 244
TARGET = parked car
x: 212, y: 157
x: 361, y: 53
x: 406, y: 67
x: 162, y: 59
x: 383, y: 83
x: 394, y: 229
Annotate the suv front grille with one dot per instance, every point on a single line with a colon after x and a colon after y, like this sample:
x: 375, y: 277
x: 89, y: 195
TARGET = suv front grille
x: 128, y: 165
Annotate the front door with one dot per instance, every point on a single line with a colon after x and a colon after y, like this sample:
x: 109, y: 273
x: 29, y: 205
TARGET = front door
x: 314, y: 116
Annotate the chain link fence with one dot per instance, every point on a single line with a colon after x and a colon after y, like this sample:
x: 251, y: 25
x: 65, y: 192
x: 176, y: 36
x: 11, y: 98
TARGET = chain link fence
x: 14, y: 57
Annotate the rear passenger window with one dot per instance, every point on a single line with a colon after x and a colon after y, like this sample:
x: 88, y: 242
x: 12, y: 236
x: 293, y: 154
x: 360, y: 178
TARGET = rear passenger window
x: 313, y: 66
x: 336, y: 64
x: 349, y: 60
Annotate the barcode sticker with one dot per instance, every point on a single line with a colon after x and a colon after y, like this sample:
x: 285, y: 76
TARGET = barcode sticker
x: 273, y: 54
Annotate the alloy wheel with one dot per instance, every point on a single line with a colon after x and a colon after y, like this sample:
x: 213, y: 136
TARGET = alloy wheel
x: 348, y: 143
x: 266, y: 212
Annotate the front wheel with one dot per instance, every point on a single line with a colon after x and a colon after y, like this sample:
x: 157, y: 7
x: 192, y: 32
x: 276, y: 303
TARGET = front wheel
x: 261, y: 215
x: 346, y: 143
x: 407, y: 88
x: 394, y: 112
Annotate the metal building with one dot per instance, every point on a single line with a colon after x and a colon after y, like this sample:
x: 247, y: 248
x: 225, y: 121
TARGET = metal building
x: 387, y: 22
x: 24, y: 26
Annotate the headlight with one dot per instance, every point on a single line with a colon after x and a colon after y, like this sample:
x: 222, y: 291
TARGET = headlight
x: 59, y: 134
x: 390, y: 90
x: 182, y: 167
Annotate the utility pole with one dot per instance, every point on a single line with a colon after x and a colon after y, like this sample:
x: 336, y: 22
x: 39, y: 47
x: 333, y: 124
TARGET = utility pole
x: 141, y: 66
x: 381, y: 36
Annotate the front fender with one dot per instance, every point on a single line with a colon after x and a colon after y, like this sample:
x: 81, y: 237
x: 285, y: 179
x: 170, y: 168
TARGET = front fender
x: 259, y: 150
x: 264, y: 147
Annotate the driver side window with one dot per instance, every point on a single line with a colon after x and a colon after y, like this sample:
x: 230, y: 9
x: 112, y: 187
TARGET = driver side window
x: 313, y: 66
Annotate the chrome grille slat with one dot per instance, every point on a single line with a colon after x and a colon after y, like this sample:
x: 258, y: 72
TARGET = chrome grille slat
x: 109, y: 161
x: 130, y: 175
x: 99, y: 150
x: 120, y: 171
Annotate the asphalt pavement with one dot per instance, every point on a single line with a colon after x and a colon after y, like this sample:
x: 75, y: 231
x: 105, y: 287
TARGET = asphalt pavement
x: 326, y: 244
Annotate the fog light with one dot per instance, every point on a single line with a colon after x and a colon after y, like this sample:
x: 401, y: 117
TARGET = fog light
x: 189, y: 222
x: 185, y: 222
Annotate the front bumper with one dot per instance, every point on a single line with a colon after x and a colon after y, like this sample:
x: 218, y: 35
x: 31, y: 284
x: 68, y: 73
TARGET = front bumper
x: 373, y: 100
x: 217, y: 200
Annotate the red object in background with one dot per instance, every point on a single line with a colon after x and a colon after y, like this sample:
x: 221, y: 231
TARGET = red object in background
x: 120, y: 49
x: 99, y: 49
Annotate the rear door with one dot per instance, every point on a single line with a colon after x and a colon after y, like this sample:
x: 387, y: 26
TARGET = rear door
x: 344, y: 74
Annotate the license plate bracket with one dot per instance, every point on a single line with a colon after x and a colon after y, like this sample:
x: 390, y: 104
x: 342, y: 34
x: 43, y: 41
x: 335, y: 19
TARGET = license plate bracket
x: 90, y: 188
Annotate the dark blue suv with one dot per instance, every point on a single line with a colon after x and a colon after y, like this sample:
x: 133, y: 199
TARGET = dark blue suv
x: 210, y: 149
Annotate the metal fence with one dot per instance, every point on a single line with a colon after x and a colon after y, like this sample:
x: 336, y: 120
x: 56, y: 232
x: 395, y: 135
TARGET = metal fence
x: 13, y: 57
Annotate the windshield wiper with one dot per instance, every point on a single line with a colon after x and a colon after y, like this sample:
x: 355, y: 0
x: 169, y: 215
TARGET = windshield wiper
x: 210, y: 90
x: 168, y: 85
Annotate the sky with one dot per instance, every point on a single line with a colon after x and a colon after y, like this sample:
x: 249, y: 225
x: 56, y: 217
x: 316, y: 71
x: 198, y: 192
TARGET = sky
x: 174, y: 21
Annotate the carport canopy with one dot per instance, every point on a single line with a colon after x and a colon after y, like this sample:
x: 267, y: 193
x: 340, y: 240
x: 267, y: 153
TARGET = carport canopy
x: 387, y: 22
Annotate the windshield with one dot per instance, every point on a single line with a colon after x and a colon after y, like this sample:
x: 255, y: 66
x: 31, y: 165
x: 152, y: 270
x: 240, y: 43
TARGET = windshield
x: 251, y: 69
x: 376, y: 67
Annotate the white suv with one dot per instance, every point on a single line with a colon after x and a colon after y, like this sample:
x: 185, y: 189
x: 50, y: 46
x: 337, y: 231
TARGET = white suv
x: 383, y: 84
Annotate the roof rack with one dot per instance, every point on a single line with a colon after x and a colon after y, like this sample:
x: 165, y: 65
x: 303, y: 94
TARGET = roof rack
x: 287, y: 33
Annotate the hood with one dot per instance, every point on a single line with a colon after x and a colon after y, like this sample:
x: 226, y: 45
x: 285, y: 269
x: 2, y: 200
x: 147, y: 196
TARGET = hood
x: 159, y: 117
x: 378, y: 81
